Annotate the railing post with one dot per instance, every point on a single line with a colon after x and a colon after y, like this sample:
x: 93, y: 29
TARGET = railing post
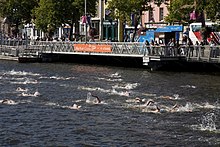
x: 209, y: 55
x: 1, y: 41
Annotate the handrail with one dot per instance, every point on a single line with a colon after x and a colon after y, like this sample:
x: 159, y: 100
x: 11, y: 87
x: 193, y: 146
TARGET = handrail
x: 191, y: 53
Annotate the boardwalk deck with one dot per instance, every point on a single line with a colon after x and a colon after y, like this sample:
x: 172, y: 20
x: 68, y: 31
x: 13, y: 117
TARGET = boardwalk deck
x: 35, y: 51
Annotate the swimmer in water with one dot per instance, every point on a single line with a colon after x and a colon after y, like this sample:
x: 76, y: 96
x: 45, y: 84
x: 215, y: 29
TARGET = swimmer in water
x: 7, y: 101
x: 75, y: 106
x: 175, y: 108
x: 152, y: 107
x: 21, y: 90
x: 135, y: 100
x: 149, y: 102
x: 149, y: 105
x: 36, y: 93
x: 138, y: 100
x: 93, y: 98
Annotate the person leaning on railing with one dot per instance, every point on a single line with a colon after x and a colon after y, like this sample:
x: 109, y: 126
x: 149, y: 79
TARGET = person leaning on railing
x: 197, y: 46
x: 213, y: 49
x: 190, y: 48
x: 147, y: 44
x: 171, y: 45
x: 152, y: 52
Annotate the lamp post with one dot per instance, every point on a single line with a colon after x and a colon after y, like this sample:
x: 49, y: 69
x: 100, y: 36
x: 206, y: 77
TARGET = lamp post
x: 85, y: 23
x: 1, y: 39
x: 101, y: 13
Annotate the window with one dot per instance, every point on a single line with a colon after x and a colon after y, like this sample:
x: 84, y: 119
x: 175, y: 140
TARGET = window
x: 151, y: 17
x: 161, y: 14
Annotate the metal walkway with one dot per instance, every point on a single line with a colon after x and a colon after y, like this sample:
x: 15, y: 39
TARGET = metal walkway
x: 34, y: 49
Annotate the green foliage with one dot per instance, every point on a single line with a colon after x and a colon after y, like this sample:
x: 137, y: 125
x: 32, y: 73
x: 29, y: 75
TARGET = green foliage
x: 53, y: 13
x: 179, y: 10
x: 212, y: 9
x: 17, y: 11
x: 47, y: 14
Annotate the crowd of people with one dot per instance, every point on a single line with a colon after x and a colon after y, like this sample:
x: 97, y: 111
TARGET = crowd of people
x: 174, y: 48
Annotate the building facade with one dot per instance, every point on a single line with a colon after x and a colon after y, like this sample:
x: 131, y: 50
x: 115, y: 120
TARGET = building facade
x: 155, y: 17
x: 106, y: 27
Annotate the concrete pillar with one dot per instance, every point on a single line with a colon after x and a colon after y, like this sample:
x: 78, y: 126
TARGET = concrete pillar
x: 120, y: 31
x: 60, y: 32
x: 32, y: 33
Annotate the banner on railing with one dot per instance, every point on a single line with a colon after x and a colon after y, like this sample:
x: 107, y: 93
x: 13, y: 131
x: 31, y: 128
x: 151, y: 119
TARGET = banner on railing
x: 100, y: 48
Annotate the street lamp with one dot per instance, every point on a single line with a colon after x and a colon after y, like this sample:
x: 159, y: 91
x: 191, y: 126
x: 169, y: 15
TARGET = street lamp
x: 101, y: 9
x: 85, y: 24
x: 1, y: 40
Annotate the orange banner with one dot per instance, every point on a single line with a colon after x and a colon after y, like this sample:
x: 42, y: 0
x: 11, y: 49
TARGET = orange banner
x: 101, y: 48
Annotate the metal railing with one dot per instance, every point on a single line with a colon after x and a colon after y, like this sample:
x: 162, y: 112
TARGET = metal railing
x: 200, y: 53
x: 191, y: 53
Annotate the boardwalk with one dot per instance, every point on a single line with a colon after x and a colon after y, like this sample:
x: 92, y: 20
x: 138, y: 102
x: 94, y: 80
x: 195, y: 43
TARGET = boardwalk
x: 148, y: 54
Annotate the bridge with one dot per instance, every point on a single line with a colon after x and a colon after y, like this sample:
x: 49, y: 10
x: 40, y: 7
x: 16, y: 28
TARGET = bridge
x: 152, y: 56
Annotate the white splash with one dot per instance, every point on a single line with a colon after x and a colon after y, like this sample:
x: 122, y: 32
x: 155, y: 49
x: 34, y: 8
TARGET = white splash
x: 111, y: 80
x: 93, y: 89
x: 27, y: 81
x: 73, y: 107
x: 208, y: 122
x: 174, y: 97
x: 60, y: 78
x: 35, y: 94
x: 187, y: 108
x: 121, y: 93
x: 127, y: 86
x: 56, y: 78
x: 115, y: 75
x: 20, y: 73
x: 188, y: 86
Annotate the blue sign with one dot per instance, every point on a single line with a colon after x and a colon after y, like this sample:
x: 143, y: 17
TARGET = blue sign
x: 164, y: 29
x: 170, y: 29
x: 149, y: 36
x: 175, y: 28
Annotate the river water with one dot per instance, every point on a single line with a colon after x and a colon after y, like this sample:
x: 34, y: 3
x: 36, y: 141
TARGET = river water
x: 39, y: 109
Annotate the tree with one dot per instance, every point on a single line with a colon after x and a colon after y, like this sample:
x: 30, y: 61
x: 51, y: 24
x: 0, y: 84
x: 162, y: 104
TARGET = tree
x: 122, y: 9
x: 52, y: 14
x: 17, y: 12
x: 47, y: 16
x: 75, y: 10
x: 179, y: 11
x: 212, y: 9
